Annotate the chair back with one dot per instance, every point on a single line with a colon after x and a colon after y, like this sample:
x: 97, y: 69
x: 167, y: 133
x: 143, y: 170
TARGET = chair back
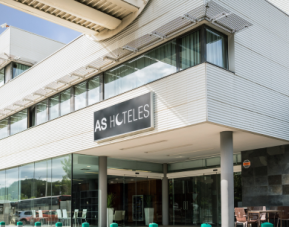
x: 59, y: 215
x: 84, y: 211
x: 284, y: 212
x: 240, y: 214
x: 75, y: 215
x: 33, y: 213
x: 118, y: 215
x: 40, y: 214
x: 123, y: 214
x: 64, y: 212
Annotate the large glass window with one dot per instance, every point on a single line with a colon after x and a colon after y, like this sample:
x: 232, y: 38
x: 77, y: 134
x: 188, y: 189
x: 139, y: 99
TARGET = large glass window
x: 3, y: 128
x: 80, y: 96
x: 54, y: 110
x: 18, y: 122
x: 93, y: 90
x: 216, y: 45
x: 18, y: 69
x: 41, y: 112
x: 190, y: 50
x: 65, y: 102
x: 148, y: 67
x: 12, y: 196
x: 2, y: 76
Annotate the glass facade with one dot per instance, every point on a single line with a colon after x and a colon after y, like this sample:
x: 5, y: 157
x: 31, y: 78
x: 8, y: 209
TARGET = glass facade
x: 2, y: 76
x: 41, y: 112
x: 18, y: 122
x: 18, y: 68
x: 65, y: 102
x: 4, y: 128
x: 36, y: 192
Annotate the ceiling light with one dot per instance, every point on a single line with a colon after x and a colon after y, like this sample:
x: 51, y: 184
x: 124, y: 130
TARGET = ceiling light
x: 79, y: 183
x: 169, y: 148
x: 142, y: 145
x: 87, y: 166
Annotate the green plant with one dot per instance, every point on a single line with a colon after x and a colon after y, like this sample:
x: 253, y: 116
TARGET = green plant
x: 110, y: 198
x: 149, y: 200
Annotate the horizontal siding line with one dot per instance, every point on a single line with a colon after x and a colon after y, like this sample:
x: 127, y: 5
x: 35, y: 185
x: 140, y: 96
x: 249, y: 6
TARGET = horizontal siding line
x: 247, y: 110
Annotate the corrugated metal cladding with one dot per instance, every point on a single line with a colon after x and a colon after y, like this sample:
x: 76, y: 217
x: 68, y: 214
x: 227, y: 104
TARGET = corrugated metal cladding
x: 255, y: 98
x: 180, y: 100
x: 83, y: 51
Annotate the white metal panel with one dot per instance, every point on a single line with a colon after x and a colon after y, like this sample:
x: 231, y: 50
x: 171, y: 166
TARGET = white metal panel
x: 240, y: 103
x: 5, y: 42
x: 74, y: 132
x: 31, y: 46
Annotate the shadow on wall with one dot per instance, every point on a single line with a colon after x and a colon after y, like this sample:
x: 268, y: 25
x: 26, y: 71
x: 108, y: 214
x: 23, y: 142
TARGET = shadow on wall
x: 266, y: 181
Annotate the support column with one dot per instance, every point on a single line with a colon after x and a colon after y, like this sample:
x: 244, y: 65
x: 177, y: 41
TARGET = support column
x: 165, y: 196
x: 102, y: 191
x: 227, y: 179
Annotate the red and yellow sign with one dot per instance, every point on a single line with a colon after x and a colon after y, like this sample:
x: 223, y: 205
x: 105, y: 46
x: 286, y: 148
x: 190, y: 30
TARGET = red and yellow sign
x: 246, y: 164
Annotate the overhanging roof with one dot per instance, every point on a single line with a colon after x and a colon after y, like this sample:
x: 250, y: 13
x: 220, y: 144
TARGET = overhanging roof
x: 91, y: 17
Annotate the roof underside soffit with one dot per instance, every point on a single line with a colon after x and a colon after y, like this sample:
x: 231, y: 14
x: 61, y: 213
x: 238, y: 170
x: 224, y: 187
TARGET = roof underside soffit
x: 211, y: 12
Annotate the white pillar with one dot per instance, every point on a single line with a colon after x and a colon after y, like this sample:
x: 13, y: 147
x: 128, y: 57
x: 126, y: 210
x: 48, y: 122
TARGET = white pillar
x: 102, y: 191
x: 165, y: 196
x: 227, y: 179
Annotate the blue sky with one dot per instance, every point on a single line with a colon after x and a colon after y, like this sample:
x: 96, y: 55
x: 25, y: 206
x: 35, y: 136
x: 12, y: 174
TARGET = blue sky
x: 36, y: 25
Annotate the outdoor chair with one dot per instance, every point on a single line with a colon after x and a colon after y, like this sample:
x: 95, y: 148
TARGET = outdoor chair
x: 119, y: 215
x: 241, y: 217
x: 283, y: 215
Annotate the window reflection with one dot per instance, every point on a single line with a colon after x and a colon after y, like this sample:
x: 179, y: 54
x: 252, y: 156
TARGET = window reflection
x: 93, y: 90
x: 148, y: 67
x: 65, y: 102
x: 2, y: 76
x: 80, y: 95
x: 3, y: 128
x: 18, y: 122
x: 216, y: 48
x: 12, y: 196
x: 18, y: 69
x: 54, y: 110
x: 190, y: 47
x: 41, y: 112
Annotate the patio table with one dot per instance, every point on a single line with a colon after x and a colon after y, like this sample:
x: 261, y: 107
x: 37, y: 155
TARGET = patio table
x: 259, y: 212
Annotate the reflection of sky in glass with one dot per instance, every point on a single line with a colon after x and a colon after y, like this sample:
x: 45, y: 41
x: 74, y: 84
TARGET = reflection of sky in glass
x: 65, y: 102
x: 148, y: 74
x: 12, y: 184
x: 93, y: 91
x: 215, y: 48
x: 18, y: 122
x: 41, y: 112
x: 54, y: 107
x: 3, y: 128
x: 80, y: 96
x: 57, y: 168
x: 2, y: 77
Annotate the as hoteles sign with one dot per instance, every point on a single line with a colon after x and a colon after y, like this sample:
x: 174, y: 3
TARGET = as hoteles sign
x: 129, y: 117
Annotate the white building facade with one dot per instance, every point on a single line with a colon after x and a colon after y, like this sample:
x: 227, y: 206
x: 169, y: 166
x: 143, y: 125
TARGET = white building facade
x: 216, y: 73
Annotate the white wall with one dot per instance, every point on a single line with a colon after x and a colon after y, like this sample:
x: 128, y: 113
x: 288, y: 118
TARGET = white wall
x: 5, y: 42
x: 74, y: 132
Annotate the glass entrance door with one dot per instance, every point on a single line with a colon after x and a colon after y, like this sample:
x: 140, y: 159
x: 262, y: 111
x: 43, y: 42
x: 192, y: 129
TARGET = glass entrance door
x: 136, y: 201
x: 195, y: 200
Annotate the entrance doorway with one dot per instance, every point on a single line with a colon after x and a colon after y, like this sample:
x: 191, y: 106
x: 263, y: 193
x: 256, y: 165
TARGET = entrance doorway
x: 195, y: 200
x: 135, y: 201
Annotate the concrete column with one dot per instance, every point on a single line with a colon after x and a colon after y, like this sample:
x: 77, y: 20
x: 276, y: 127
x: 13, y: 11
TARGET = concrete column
x: 165, y: 196
x: 227, y: 179
x: 102, y: 191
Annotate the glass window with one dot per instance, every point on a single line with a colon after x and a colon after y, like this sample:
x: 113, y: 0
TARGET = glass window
x: 2, y: 194
x: 18, y: 122
x: 85, y: 186
x: 190, y: 50
x: 54, y: 110
x: 42, y: 184
x: 41, y: 112
x: 61, y: 176
x: 18, y: 69
x: 217, y: 48
x: 65, y: 102
x: 80, y: 95
x: 12, y: 190
x: 2, y: 76
x: 26, y: 189
x: 148, y: 67
x: 93, y: 90
x: 3, y: 128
